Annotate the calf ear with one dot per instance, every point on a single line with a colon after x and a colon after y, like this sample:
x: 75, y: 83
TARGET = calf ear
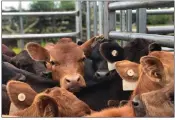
x: 87, y: 46
x: 111, y: 51
x: 46, y: 105
x: 37, y: 52
x: 153, y: 68
x: 154, y: 47
x: 21, y: 94
x: 127, y: 70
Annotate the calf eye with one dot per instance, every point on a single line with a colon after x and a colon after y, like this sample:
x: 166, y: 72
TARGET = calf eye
x: 82, y: 59
x: 54, y: 63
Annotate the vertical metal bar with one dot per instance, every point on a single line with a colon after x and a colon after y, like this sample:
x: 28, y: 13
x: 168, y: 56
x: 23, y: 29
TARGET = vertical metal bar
x: 129, y: 20
x: 100, y: 11
x: 21, y: 42
x: 78, y: 19
x: 109, y: 20
x: 141, y: 18
x: 95, y: 17
x: 88, y: 24
x: 122, y: 24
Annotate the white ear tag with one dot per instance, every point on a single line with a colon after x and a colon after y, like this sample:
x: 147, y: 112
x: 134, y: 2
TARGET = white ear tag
x: 21, y: 97
x: 129, y: 86
x: 111, y: 66
x: 114, y: 53
x: 130, y: 72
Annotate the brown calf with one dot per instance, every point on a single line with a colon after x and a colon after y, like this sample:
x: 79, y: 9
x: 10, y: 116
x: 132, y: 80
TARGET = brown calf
x: 53, y: 102
x: 150, y: 75
x: 65, y: 59
x: 159, y: 103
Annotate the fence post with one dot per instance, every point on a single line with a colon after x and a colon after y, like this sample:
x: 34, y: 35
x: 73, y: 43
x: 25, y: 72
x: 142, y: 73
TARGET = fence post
x: 141, y: 18
x: 88, y: 20
x: 95, y: 17
x: 129, y: 20
x: 100, y: 11
x: 21, y: 42
x: 122, y: 25
x: 109, y: 20
x: 78, y: 18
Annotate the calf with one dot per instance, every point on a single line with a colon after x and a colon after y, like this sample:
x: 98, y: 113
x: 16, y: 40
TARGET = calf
x: 36, y: 82
x: 159, y: 103
x: 65, y: 59
x: 8, y: 74
x: 150, y: 75
x: 53, y: 102
x: 133, y: 50
x: 7, y: 51
x: 25, y: 62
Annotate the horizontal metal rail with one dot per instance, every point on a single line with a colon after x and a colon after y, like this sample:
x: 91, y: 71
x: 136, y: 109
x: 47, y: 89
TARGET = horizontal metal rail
x: 161, y: 29
x: 50, y: 35
x: 140, y: 4
x: 154, y: 12
x: 39, y: 13
x: 166, y: 41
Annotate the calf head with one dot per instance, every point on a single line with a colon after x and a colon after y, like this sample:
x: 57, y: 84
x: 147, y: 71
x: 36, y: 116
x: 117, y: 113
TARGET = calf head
x: 65, y: 59
x: 148, y: 75
x: 159, y: 103
x: 138, y: 48
x: 50, y: 103
x: 68, y: 104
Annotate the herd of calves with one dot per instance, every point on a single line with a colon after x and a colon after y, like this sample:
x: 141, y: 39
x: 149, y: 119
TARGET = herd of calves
x: 95, y: 78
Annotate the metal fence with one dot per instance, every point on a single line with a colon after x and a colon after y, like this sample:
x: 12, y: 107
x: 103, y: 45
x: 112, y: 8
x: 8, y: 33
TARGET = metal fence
x: 22, y: 36
x: 125, y: 33
x: 104, y: 21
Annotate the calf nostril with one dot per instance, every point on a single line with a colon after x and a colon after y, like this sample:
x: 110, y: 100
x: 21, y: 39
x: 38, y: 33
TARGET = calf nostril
x: 97, y: 74
x: 68, y: 81
x: 135, y: 103
x: 107, y: 73
x: 78, y: 79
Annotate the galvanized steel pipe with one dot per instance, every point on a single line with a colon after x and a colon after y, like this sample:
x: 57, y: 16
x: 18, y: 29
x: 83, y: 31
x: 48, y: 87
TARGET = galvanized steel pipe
x: 153, y: 12
x: 50, y: 35
x: 39, y: 13
x: 140, y: 4
x: 166, y: 41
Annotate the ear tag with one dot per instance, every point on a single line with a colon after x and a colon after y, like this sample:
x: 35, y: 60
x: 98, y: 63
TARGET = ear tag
x: 129, y: 86
x: 130, y: 72
x: 21, y: 97
x: 114, y: 53
x: 111, y: 66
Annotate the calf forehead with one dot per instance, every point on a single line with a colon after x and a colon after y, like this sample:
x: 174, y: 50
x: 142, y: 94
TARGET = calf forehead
x: 61, y: 92
x: 66, y: 51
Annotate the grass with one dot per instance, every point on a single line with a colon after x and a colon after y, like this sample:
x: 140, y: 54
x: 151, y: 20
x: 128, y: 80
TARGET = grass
x: 16, y: 50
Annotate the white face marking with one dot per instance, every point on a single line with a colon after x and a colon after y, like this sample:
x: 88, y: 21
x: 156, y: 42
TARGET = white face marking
x: 130, y: 72
x: 114, y: 53
x: 129, y: 86
x: 21, y: 97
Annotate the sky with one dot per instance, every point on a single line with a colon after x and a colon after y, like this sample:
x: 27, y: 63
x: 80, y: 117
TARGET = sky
x: 15, y: 4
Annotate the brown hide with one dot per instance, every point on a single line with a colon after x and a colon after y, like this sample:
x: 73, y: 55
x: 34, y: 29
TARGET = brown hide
x: 65, y: 59
x: 43, y: 104
x: 156, y: 103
